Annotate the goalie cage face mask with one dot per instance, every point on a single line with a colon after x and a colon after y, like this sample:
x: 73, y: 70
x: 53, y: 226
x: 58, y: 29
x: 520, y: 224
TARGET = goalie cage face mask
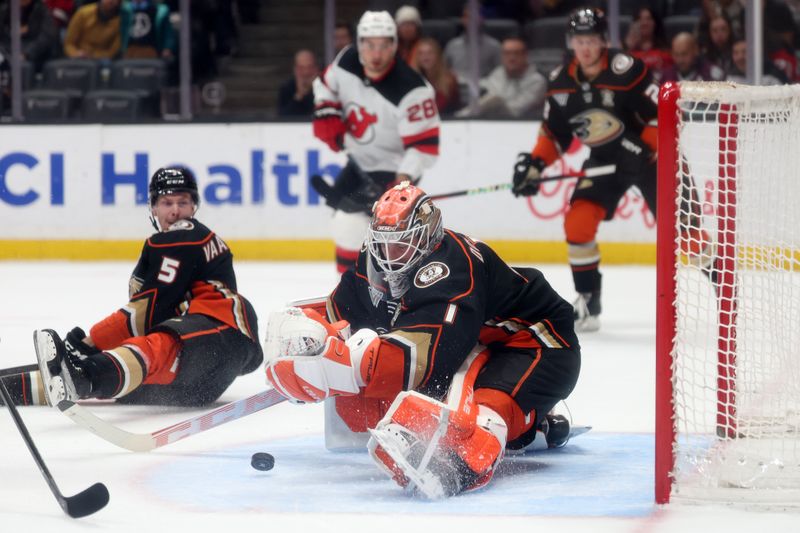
x: 405, y: 228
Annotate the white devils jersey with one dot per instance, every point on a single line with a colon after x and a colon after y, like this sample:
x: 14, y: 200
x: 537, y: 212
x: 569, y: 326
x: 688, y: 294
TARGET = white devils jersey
x: 392, y: 123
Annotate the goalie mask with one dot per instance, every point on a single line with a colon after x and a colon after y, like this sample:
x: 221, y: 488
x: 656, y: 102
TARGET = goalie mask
x: 171, y: 180
x: 405, y: 228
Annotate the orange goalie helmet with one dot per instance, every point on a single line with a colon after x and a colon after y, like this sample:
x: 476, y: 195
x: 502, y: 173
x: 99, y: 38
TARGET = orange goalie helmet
x: 405, y: 228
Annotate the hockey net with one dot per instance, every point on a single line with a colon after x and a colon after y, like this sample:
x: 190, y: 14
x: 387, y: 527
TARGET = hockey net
x: 728, y: 325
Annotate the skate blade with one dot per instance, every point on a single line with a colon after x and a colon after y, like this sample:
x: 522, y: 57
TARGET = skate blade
x: 46, y: 353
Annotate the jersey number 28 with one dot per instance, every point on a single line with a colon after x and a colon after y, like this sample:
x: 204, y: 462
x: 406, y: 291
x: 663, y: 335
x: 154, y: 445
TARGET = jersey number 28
x: 426, y: 109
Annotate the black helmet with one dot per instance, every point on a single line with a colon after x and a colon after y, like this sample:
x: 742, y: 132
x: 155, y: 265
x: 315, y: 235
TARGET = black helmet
x: 171, y: 180
x: 587, y: 21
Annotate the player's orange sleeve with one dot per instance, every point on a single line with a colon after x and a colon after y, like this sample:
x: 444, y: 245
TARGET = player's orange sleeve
x: 545, y: 148
x: 650, y: 137
x: 111, y: 331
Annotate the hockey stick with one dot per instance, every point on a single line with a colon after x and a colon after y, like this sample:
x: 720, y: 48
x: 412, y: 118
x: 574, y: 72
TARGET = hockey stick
x: 84, y: 503
x: 144, y: 442
x: 594, y: 172
x: 14, y: 370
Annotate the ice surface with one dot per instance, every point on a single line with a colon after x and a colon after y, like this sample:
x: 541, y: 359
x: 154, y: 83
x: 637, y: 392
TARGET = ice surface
x: 601, y: 482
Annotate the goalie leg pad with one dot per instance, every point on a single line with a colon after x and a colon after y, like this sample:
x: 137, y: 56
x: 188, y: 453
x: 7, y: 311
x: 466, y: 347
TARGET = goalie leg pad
x: 418, y: 445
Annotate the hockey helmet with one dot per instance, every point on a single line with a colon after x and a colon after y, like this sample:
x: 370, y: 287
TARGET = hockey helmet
x: 171, y: 180
x: 587, y: 21
x: 376, y: 24
x: 405, y: 228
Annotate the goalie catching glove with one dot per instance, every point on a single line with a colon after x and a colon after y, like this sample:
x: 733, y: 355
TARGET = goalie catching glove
x: 309, y: 359
x: 329, y: 126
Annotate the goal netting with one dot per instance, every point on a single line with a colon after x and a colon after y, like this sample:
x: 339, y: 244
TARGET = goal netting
x: 728, y: 333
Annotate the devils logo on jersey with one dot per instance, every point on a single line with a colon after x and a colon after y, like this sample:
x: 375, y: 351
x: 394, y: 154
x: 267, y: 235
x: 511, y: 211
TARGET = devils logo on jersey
x: 359, y: 122
x: 596, y: 127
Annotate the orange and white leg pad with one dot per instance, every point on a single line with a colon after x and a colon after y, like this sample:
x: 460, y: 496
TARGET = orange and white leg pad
x: 424, y: 447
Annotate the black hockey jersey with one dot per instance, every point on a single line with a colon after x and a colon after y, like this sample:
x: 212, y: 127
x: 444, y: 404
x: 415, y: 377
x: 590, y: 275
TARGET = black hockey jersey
x: 603, y: 113
x: 462, y: 294
x: 186, y: 269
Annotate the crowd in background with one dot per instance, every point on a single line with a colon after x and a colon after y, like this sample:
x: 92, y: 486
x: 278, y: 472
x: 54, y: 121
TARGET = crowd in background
x: 511, y: 82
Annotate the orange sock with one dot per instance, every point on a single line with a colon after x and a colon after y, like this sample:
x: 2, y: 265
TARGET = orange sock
x: 159, y: 351
x: 505, y: 406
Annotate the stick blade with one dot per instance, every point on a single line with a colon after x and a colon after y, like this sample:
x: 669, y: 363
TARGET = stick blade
x: 86, y: 502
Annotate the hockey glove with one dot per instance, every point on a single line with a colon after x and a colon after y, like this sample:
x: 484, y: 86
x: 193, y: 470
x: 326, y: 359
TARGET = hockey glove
x: 328, y: 125
x: 527, y: 172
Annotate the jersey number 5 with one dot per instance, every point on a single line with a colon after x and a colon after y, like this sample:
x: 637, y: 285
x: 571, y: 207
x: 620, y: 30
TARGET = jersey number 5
x: 426, y: 109
x: 169, y: 270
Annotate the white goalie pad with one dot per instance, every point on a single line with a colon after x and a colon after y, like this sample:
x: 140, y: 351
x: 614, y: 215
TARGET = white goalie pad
x: 291, y: 333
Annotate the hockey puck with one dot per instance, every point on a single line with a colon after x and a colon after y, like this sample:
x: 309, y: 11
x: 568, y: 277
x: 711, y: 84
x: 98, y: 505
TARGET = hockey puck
x: 262, y: 461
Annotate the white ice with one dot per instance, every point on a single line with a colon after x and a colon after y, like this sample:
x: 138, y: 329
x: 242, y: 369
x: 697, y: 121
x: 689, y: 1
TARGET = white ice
x: 601, y: 482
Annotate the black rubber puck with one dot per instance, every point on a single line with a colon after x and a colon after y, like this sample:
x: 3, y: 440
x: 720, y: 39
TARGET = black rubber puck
x: 262, y: 461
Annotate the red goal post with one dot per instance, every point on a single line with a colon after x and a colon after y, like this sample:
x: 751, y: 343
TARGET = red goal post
x: 728, y: 295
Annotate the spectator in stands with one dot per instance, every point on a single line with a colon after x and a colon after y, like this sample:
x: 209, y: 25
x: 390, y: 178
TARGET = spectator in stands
x: 150, y: 33
x: 409, y: 31
x: 94, y: 31
x: 716, y: 40
x: 430, y: 61
x: 456, y: 52
x: 37, y: 28
x: 647, y: 40
x: 780, y: 32
x: 513, y: 90
x: 342, y: 36
x: 249, y: 11
x: 295, y: 96
x: 204, y: 12
x: 732, y: 10
x: 772, y: 75
x: 689, y: 65
x: 61, y: 10
x: 553, y: 8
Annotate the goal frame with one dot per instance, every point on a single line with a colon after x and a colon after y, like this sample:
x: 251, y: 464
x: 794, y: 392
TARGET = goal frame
x: 725, y: 262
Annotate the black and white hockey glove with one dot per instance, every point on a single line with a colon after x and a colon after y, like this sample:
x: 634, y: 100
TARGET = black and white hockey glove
x: 527, y: 173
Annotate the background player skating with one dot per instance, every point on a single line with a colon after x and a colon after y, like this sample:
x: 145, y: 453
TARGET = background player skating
x: 372, y: 105
x: 607, y: 100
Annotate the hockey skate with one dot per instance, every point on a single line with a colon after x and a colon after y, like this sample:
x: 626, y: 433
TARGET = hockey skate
x: 62, y: 375
x: 587, y: 311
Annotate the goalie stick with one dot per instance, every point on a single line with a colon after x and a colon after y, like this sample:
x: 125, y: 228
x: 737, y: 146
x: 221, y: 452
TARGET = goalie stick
x: 144, y: 442
x: 82, y: 504
x: 594, y: 172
